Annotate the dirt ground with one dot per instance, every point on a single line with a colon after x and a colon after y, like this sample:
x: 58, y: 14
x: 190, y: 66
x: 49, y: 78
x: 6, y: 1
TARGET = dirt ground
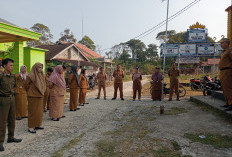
x: 124, y: 128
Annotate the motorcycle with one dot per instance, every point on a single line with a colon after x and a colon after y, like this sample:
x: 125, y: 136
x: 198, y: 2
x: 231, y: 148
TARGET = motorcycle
x: 196, y: 84
x: 92, y: 81
x: 211, y: 85
x: 182, y: 90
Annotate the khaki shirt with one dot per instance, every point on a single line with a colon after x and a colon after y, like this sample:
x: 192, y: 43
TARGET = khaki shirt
x: 173, y: 74
x: 101, y: 78
x: 83, y: 82
x: 72, y: 81
x: 118, y: 76
x: 7, y: 84
x: 20, y: 85
x: 226, y: 60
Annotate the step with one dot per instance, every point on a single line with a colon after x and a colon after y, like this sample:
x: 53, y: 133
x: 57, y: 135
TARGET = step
x: 218, y: 95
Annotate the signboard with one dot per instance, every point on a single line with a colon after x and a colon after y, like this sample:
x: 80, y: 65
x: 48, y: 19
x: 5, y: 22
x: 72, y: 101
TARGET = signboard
x: 219, y: 49
x: 187, y: 49
x: 205, y: 49
x: 170, y: 50
x: 197, y: 35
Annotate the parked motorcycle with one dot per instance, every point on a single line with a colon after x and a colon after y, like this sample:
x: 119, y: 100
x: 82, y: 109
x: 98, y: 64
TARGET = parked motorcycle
x: 182, y: 90
x: 211, y: 85
x: 92, y: 81
x: 196, y: 84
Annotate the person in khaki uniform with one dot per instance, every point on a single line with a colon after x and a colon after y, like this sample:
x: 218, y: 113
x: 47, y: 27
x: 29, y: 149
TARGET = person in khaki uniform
x: 7, y: 103
x: 36, y: 87
x: 101, y: 78
x: 137, y: 85
x: 57, y: 87
x: 225, y: 66
x: 46, y: 101
x: 74, y: 85
x: 173, y: 74
x: 118, y: 82
x: 21, y: 94
x: 83, y: 87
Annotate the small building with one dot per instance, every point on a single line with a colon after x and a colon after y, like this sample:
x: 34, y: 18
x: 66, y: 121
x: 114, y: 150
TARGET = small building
x: 69, y: 53
x: 195, y: 62
x: 13, y: 44
x: 208, y: 66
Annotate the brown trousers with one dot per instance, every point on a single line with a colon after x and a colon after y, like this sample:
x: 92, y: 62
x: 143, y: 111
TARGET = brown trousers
x: 174, y: 85
x: 99, y: 90
x: 116, y: 86
x: 35, y: 111
x: 7, y: 116
x: 157, y: 90
x: 73, y: 98
x: 21, y: 105
x: 82, y: 95
x: 46, y: 101
x: 226, y: 78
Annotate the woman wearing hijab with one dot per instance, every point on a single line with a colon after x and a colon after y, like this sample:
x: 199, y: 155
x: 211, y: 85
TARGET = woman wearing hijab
x: 137, y: 85
x: 57, y: 87
x: 21, y: 94
x: 36, y: 87
x: 74, y: 84
x: 83, y: 87
x: 157, y: 85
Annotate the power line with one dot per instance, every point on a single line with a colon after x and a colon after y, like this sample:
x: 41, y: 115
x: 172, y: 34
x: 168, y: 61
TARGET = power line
x: 151, y: 30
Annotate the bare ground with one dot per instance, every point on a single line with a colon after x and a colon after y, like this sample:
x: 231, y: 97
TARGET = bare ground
x: 123, y: 128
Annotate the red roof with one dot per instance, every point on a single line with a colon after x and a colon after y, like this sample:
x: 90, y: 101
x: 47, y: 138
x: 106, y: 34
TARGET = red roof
x: 88, y: 52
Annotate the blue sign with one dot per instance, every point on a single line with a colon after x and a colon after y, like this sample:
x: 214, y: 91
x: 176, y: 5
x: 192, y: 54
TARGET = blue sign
x: 197, y: 35
x: 205, y: 49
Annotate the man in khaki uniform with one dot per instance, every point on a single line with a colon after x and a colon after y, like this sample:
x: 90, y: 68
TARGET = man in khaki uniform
x: 101, y: 78
x: 118, y: 82
x: 225, y: 66
x: 7, y: 103
x: 173, y: 74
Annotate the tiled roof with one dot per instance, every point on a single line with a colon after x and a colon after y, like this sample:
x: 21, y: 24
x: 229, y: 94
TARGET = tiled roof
x: 75, y: 62
x: 88, y: 52
x: 53, y: 50
x: 211, y: 61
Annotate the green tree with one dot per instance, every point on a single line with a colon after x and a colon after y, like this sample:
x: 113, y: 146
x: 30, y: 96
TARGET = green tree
x: 161, y: 35
x: 88, y: 42
x: 152, y: 53
x: 125, y: 56
x: 137, y: 48
x: 45, y: 38
x: 67, y: 36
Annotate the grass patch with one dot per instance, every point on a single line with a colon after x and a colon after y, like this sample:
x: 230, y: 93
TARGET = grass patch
x: 175, y: 111
x: 106, y: 149
x: 175, y: 145
x: 73, y: 142
x: 215, y: 140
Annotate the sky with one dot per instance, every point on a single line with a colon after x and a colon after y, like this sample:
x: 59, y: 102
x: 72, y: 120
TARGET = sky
x: 110, y: 22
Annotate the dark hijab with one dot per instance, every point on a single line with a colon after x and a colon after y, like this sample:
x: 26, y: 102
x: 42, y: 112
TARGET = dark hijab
x: 74, y: 71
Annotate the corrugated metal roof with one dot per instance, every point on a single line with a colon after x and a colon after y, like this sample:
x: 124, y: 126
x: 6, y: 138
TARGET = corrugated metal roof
x: 7, y: 22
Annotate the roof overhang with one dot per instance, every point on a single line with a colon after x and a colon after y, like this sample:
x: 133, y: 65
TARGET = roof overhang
x: 11, y: 33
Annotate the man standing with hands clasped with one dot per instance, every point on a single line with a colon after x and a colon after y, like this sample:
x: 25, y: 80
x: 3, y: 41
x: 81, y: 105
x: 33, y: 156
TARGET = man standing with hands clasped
x: 118, y: 82
x: 7, y: 103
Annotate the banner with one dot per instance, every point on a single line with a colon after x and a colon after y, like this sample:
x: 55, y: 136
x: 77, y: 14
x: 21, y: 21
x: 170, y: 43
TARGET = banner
x: 170, y: 49
x: 219, y: 49
x: 187, y: 50
x: 205, y: 49
x: 197, y: 35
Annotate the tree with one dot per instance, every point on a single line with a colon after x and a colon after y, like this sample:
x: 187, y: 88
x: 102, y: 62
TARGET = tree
x: 137, y: 48
x: 125, y: 56
x: 45, y: 38
x: 161, y: 35
x: 152, y: 53
x: 67, y: 36
x: 88, y: 42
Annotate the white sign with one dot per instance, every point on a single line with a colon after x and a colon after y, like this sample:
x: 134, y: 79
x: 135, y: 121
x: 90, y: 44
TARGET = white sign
x: 170, y: 50
x: 205, y: 49
x: 219, y: 49
x: 197, y: 35
x: 187, y: 49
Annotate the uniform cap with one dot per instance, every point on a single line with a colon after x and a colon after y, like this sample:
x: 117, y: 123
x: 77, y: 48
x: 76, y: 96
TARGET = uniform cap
x: 224, y: 40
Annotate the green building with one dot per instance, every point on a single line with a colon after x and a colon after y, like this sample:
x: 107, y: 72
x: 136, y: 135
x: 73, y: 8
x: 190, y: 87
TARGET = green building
x: 13, y: 44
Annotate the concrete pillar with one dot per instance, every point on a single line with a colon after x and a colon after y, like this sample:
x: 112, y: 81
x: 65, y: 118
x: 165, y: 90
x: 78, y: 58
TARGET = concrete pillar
x: 18, y: 56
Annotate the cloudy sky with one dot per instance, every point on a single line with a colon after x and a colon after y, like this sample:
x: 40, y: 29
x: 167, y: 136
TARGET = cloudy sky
x: 110, y: 22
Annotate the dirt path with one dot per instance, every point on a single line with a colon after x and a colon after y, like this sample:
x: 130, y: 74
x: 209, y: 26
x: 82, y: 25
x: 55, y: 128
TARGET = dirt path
x: 123, y: 128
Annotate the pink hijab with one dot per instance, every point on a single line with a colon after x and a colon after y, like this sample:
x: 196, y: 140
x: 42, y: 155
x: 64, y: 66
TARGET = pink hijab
x: 57, y: 77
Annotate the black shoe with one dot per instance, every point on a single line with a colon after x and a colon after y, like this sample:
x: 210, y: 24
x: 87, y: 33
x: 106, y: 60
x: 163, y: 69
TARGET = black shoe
x: 113, y: 98
x: 72, y: 110
x: 14, y: 140
x: 225, y: 106
x: 39, y: 128
x: 56, y: 119
x: 32, y: 131
x: 229, y: 108
x: 97, y: 98
x: 86, y: 103
x: 1, y: 148
x: 25, y: 117
x: 77, y: 109
x: 19, y: 118
x: 63, y: 117
x: 177, y: 99
x: 122, y: 99
x: 81, y: 105
x: 104, y: 98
